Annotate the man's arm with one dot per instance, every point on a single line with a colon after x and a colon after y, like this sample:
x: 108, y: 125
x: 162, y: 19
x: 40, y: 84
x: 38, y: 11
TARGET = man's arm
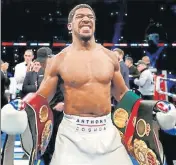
x: 49, y: 84
x: 118, y: 84
x: 142, y: 79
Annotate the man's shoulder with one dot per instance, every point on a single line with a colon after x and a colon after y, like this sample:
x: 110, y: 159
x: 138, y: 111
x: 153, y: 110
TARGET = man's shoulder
x: 56, y: 61
x: 29, y: 73
x: 107, y: 51
x: 123, y: 64
x: 41, y: 71
x: 110, y: 54
x: 20, y: 64
x: 62, y: 53
x: 124, y: 67
x: 146, y: 72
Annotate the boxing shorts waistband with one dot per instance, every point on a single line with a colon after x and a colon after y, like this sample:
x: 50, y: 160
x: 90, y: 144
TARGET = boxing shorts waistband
x: 88, y: 124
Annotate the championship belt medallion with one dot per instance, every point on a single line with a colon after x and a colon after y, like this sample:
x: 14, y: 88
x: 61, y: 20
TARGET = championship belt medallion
x: 46, y: 135
x: 142, y: 128
x: 43, y: 113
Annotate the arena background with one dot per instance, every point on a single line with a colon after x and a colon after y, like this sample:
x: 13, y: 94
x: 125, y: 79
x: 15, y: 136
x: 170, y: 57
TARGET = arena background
x: 137, y: 27
x: 127, y: 21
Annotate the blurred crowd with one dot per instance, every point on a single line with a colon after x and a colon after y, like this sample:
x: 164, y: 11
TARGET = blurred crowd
x: 137, y: 76
x: 29, y: 74
x: 27, y: 79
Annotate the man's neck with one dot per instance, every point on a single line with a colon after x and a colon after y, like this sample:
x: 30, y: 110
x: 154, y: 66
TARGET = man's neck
x: 82, y: 45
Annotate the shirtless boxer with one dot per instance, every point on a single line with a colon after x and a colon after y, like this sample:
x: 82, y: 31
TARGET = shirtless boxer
x: 86, y: 134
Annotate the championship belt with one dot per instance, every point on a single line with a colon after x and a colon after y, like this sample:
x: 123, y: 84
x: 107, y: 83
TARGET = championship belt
x: 40, y: 125
x: 134, y: 119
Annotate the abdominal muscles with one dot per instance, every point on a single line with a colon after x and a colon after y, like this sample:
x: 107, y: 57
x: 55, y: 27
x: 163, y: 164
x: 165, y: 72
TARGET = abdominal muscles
x: 91, y: 99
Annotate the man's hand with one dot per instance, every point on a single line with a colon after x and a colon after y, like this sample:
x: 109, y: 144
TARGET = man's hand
x: 30, y: 66
x: 59, y: 106
x: 4, y: 66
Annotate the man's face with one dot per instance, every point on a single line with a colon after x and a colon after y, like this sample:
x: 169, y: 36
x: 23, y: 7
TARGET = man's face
x: 140, y: 67
x: 36, y: 66
x: 128, y: 63
x: 28, y: 56
x: 146, y: 59
x: 83, y: 24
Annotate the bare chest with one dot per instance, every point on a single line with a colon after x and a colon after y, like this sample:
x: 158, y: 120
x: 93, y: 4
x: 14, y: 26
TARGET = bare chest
x: 78, y: 69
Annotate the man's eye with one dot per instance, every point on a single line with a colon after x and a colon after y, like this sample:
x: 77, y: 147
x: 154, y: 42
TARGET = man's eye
x: 79, y: 16
x: 91, y: 17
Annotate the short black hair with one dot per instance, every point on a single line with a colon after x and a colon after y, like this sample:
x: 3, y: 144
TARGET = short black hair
x: 43, y: 54
x: 72, y: 12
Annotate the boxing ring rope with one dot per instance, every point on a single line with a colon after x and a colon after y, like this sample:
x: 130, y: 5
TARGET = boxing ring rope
x: 158, y: 88
x: 62, y: 44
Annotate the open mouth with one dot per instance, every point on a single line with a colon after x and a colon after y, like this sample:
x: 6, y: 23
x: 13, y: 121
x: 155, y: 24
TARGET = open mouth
x: 85, y: 27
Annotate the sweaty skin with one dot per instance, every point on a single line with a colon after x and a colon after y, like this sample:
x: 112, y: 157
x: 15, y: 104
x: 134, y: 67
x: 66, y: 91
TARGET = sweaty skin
x: 87, y: 79
x: 88, y: 70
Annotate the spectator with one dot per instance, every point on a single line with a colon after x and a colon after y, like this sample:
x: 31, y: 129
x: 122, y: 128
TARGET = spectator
x: 22, y: 68
x: 30, y: 83
x: 132, y: 69
x: 123, y: 68
x: 44, y: 55
x: 5, y: 82
x: 145, y: 82
x: 146, y: 59
x: 133, y: 72
x: 34, y: 78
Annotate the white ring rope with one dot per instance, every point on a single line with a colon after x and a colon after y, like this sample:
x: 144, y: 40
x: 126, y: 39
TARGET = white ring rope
x: 158, y: 88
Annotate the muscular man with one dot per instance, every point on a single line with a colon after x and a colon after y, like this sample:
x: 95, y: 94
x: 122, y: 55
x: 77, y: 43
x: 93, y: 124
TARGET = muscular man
x: 86, y: 134
x: 88, y: 69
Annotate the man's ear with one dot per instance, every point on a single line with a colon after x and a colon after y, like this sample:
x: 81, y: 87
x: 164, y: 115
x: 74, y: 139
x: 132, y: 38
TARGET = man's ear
x: 69, y: 26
